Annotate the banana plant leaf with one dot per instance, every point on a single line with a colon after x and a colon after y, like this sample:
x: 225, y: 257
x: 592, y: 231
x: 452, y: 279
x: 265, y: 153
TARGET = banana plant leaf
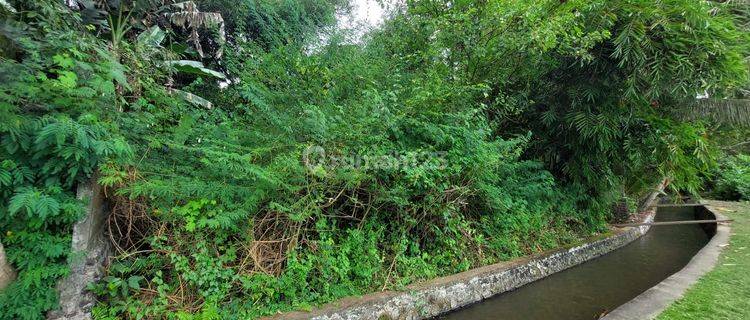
x: 152, y: 37
x: 194, y: 67
x: 191, y: 98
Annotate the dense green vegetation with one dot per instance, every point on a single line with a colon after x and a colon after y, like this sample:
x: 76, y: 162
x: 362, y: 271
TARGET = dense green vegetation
x: 256, y: 161
x: 56, y: 89
x: 732, y: 178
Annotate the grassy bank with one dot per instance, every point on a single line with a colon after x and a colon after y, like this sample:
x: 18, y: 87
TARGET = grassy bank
x: 724, y: 293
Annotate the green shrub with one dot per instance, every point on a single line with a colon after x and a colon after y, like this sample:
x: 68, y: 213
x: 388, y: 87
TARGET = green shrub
x: 732, y: 178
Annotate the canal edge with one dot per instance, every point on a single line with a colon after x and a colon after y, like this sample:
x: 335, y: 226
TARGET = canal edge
x: 442, y: 295
x: 651, y: 303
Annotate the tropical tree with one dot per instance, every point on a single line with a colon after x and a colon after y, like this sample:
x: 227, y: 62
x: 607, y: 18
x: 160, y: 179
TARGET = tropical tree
x: 595, y: 82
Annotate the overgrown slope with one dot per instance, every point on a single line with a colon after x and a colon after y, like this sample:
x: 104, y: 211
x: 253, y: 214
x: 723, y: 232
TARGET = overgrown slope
x: 253, y: 167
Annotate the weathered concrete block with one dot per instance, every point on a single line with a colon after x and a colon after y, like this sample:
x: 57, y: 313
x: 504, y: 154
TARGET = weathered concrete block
x: 7, y: 274
x: 90, y: 249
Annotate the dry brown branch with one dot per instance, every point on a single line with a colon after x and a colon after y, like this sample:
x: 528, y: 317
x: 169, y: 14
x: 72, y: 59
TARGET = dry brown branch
x: 272, y: 238
x: 129, y: 223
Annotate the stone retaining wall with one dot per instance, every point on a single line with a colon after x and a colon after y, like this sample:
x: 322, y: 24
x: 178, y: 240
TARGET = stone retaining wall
x: 438, y: 296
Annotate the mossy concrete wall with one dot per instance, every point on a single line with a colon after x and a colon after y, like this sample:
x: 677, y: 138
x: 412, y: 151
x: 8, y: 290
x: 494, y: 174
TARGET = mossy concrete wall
x: 90, y: 249
x: 435, y: 297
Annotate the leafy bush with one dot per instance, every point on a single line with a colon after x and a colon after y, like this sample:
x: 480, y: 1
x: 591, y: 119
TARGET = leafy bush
x: 732, y: 179
x: 427, y: 84
x: 56, y: 85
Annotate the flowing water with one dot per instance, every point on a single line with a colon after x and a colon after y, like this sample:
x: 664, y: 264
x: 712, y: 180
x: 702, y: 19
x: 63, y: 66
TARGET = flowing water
x: 588, y: 290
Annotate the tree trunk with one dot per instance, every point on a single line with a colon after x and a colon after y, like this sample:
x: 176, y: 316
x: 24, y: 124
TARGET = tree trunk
x: 7, y: 274
x: 652, y: 196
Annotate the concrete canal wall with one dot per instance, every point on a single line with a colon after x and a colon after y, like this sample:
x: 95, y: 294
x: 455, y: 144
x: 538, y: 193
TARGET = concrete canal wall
x: 653, y: 301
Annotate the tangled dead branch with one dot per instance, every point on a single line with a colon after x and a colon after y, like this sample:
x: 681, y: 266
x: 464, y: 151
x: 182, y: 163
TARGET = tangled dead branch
x: 273, y: 235
x: 129, y: 224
